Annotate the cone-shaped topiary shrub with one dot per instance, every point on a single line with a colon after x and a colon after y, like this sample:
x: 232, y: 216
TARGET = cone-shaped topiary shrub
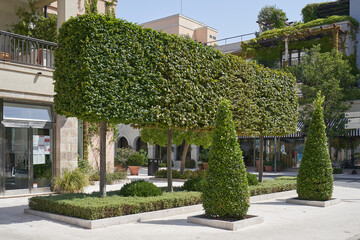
x: 315, y: 180
x: 225, y: 193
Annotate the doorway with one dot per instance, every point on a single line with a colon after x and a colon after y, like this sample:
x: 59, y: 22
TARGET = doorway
x: 28, y: 158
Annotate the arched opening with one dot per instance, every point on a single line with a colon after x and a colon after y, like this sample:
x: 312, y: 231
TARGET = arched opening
x: 123, y: 143
x: 140, y: 145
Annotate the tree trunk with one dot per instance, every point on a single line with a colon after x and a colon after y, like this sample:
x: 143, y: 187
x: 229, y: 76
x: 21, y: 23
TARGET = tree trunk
x: 261, y: 160
x: 183, y: 157
x: 168, y: 160
x: 102, y: 159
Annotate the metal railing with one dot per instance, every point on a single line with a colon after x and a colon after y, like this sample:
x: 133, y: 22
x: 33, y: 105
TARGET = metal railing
x: 226, y: 40
x: 26, y: 50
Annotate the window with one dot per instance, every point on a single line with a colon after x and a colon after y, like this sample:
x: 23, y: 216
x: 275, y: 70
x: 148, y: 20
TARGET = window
x: 294, y: 57
x: 18, y: 111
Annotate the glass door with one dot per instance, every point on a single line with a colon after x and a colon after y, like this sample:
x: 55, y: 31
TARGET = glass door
x: 17, y: 158
x: 42, y: 157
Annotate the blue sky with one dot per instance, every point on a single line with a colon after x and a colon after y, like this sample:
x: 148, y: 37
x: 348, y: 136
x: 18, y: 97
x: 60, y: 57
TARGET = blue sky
x: 229, y: 17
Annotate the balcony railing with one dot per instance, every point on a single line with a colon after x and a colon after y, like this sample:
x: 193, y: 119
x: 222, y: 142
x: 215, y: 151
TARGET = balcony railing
x: 25, y: 50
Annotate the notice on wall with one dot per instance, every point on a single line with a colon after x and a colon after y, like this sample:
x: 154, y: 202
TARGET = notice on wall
x: 41, y: 147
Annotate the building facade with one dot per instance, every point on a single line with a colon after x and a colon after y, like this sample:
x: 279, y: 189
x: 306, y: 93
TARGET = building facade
x: 36, y: 144
x: 277, y: 51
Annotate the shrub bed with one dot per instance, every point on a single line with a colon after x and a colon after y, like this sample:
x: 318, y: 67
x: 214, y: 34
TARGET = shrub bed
x: 91, y: 206
x: 140, y: 188
x: 271, y: 186
x: 177, y: 175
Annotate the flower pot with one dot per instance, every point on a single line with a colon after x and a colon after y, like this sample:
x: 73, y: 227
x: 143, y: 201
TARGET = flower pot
x: 205, y: 164
x: 120, y: 168
x: 134, y: 170
x: 4, y: 55
x: 269, y: 169
x: 201, y: 167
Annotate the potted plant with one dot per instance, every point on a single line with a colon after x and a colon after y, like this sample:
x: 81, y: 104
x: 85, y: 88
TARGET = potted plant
x: 204, y: 157
x: 135, y: 162
x: 200, y: 166
x: 269, y: 166
x: 122, y: 158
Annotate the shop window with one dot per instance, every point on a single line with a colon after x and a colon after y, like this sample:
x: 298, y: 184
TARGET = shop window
x: 17, y: 111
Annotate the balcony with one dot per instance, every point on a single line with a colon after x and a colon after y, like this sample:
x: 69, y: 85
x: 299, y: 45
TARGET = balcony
x: 25, y: 50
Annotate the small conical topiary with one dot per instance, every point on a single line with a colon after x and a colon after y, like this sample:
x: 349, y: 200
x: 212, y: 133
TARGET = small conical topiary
x: 315, y: 179
x: 225, y: 193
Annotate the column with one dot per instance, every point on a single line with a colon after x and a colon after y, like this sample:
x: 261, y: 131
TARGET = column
x: 195, y: 150
x: 65, y: 10
x: 66, y: 153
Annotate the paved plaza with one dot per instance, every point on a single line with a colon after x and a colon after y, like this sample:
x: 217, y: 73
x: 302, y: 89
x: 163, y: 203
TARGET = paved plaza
x: 281, y: 221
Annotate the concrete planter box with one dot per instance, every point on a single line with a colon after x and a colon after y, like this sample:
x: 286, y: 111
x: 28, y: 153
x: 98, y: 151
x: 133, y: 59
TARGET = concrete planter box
x: 328, y: 203
x: 250, y: 220
x: 105, y: 222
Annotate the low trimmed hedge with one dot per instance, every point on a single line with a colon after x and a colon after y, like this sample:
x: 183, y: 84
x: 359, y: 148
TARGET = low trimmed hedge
x: 272, y: 186
x: 91, y: 206
x: 177, y: 175
x: 140, y: 188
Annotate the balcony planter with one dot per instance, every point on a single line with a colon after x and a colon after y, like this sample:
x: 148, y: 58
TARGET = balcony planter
x: 4, y: 56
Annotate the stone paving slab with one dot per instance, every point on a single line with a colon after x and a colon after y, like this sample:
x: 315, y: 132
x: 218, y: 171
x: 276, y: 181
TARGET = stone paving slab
x: 282, y: 221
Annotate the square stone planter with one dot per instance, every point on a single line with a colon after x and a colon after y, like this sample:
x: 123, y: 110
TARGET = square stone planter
x: 225, y: 224
x: 328, y: 203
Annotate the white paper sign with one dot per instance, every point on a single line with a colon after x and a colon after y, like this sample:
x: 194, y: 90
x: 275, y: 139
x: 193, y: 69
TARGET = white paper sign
x: 41, y: 146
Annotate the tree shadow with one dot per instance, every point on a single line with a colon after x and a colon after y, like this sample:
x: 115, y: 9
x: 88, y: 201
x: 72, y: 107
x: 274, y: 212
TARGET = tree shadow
x: 174, y: 222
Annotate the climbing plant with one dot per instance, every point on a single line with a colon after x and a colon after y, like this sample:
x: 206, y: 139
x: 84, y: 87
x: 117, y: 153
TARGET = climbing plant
x: 34, y: 24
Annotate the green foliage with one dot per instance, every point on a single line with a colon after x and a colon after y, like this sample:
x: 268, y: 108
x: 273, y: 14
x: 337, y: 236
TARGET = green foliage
x: 271, y: 186
x: 153, y: 76
x: 331, y: 74
x: 302, y: 27
x: 204, y: 155
x: 309, y: 12
x: 94, y: 176
x: 276, y: 102
x: 225, y: 192
x: 269, y: 55
x: 285, y: 178
x: 194, y: 184
x: 137, y: 159
x: 177, y: 175
x: 271, y: 17
x: 33, y: 24
x: 122, y: 156
x: 115, y: 176
x: 337, y: 171
x: 91, y: 206
x: 315, y: 180
x: 140, y: 188
x: 252, y: 179
x: 156, y: 136
x: 71, y: 181
x: 84, y: 165
x: 190, y: 163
